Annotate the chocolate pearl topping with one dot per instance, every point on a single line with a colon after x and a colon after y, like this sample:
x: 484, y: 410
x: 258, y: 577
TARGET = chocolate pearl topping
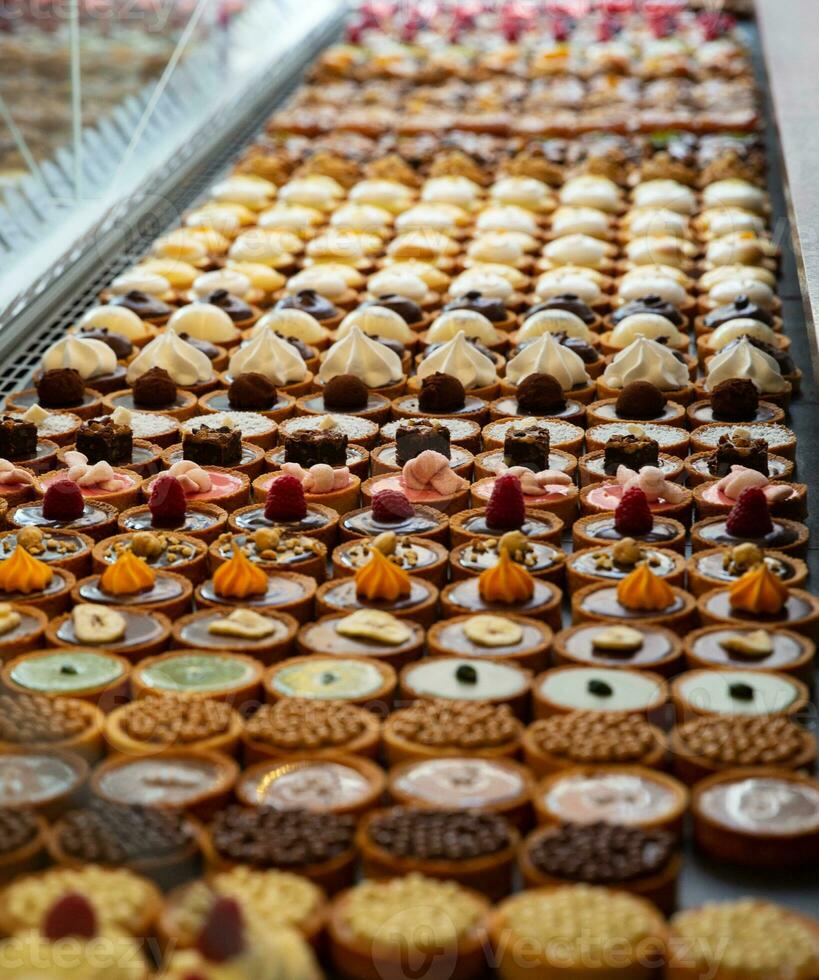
x: 114, y: 833
x: 34, y: 718
x: 455, y: 724
x: 594, y: 736
x: 17, y: 828
x: 439, y: 835
x: 175, y: 721
x: 742, y: 740
x: 265, y: 837
x: 293, y: 724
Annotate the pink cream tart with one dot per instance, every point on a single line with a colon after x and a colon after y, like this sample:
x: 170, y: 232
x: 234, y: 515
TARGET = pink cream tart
x: 552, y: 493
x: 414, y: 496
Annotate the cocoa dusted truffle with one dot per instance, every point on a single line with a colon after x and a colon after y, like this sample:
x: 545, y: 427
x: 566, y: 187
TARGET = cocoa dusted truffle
x: 60, y: 388
x: 568, y: 302
x: 345, y: 393
x: 409, y: 311
x: 488, y: 306
x: 251, y: 392
x: 540, y: 394
x: 735, y: 400
x: 119, y: 344
x: 640, y: 400
x: 441, y: 394
x: 154, y: 389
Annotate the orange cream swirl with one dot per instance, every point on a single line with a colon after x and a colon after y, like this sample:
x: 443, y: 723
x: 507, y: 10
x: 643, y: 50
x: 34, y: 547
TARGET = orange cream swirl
x: 506, y: 581
x: 21, y: 572
x: 127, y: 575
x: 238, y: 577
x: 642, y: 589
x: 381, y: 579
x: 758, y: 591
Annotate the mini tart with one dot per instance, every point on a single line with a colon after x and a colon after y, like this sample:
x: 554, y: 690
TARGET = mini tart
x: 716, y: 743
x: 450, y: 503
x: 539, y: 525
x: 194, y: 633
x: 573, y: 411
x: 229, y: 489
x: 559, y: 499
x: 184, y: 407
x: 780, y: 438
x: 477, y: 850
x: 604, y: 411
x: 598, y: 603
x: 119, y: 499
x: 43, y: 723
x: 338, y: 500
x: 376, y: 410
x: 672, y: 440
x: 69, y: 550
x: 780, y: 398
x: 357, y: 460
x: 151, y: 725
x: 22, y: 843
x: 340, y: 595
x: 26, y: 635
x: 59, y: 427
x: 713, y: 647
x: 759, y: 818
x: 640, y: 862
x: 629, y: 795
x: 362, y: 432
x: 47, y: 782
x: 800, y: 612
x: 599, y: 530
x: 488, y: 463
x: 737, y: 692
x: 597, y: 498
x: 169, y: 594
x: 367, y: 940
x: 319, y: 522
x: 52, y: 600
x: 89, y: 408
x: 267, y: 898
x: 146, y: 633
x: 299, y: 553
x: 199, y: 781
x: 465, y: 782
x: 155, y: 427
x: 422, y: 557
x: 713, y: 568
x: 91, y: 675
x: 569, y: 688
x: 563, y: 435
x: 528, y: 644
x: 433, y: 729
x: 592, y: 467
x: 591, y: 565
x: 383, y: 459
x: 462, y: 432
x: 475, y: 555
x: 564, y: 928
x: 468, y: 679
x: 324, y: 637
x: 464, y: 597
x: 696, y: 468
x: 700, y: 413
x: 756, y: 939
x: 287, y: 592
x: 332, y: 783
x: 292, y: 728
x: 159, y: 844
x: 98, y: 520
x: 122, y: 900
x: 18, y: 493
x: 425, y: 522
x: 709, y: 501
x: 161, y: 550
x: 217, y: 675
x: 358, y: 680
x: 205, y: 522
x: 597, y: 738
x: 251, y: 459
x: 590, y: 644
x: 790, y: 537
x: 217, y: 402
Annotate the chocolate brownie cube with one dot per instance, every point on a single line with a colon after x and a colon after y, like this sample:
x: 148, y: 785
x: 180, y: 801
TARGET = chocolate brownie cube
x: 631, y: 451
x: 213, y: 447
x: 103, y: 440
x: 413, y: 436
x: 738, y: 451
x: 18, y: 438
x: 311, y: 446
x: 528, y: 447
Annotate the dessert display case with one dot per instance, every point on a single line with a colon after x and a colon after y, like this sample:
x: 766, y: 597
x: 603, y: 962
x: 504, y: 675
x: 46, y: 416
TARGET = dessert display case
x: 407, y: 503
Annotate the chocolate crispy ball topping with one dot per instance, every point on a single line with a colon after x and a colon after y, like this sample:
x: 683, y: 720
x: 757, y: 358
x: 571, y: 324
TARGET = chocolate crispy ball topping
x: 640, y: 400
x: 154, y: 389
x: 115, y: 833
x: 293, y: 724
x: 601, y: 853
x: 441, y: 393
x: 735, y: 400
x: 251, y: 392
x: 540, y: 394
x: 60, y: 388
x: 345, y: 393
x: 17, y: 828
x: 270, y: 838
x: 27, y: 718
x: 439, y: 835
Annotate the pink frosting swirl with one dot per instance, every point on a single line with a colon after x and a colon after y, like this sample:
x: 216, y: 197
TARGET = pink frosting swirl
x: 652, y: 482
x: 11, y: 475
x: 86, y: 474
x: 431, y: 471
x: 319, y: 478
x: 741, y: 477
x: 535, y: 484
x: 192, y: 477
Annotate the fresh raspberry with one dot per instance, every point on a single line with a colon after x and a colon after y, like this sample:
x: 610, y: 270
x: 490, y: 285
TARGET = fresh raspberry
x: 391, y: 505
x: 285, y: 499
x: 167, y: 502
x: 222, y: 935
x: 749, y: 517
x: 632, y: 516
x: 506, y: 510
x: 63, y: 501
x: 70, y: 916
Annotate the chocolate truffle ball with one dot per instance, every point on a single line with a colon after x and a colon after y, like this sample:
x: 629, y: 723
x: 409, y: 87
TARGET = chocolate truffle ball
x: 154, y: 389
x: 345, y: 393
x: 61, y: 388
x: 735, y: 400
x: 640, y: 400
x: 441, y: 393
x: 540, y: 394
x: 251, y: 392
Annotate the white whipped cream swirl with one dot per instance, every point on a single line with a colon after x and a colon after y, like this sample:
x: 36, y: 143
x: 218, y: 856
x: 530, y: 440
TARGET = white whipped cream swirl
x: 646, y: 360
x: 548, y: 356
x: 356, y: 353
